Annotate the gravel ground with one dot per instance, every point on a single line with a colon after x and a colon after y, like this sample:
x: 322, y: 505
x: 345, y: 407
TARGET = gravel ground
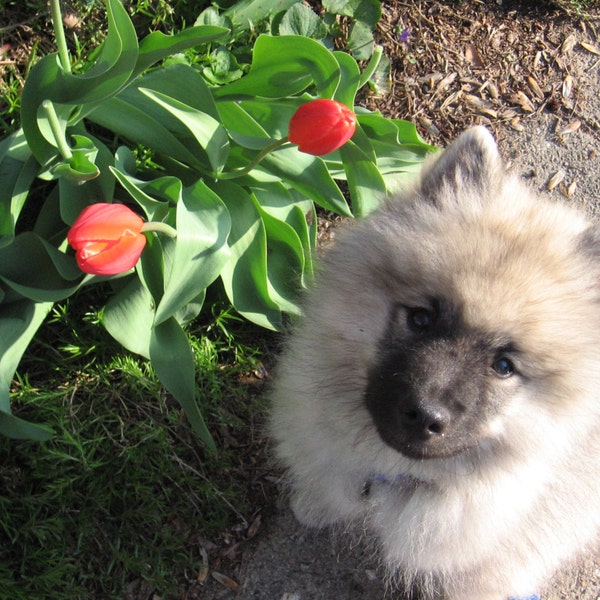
x: 285, y: 561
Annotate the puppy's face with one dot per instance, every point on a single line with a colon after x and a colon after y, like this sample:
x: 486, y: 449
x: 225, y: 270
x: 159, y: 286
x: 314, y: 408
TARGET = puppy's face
x: 437, y: 384
x: 490, y: 298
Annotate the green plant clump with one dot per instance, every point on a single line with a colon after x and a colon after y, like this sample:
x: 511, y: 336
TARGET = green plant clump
x: 146, y: 126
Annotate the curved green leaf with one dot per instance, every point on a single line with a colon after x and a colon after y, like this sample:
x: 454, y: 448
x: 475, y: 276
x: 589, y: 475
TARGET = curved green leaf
x: 285, y: 66
x: 47, y: 80
x: 128, y: 317
x: 124, y: 116
x: 50, y: 275
x: 157, y: 45
x: 349, y: 79
x: 16, y: 178
x: 244, y: 275
x: 197, y: 255
x: 145, y: 192
x: 309, y: 175
x: 367, y: 186
x: 207, y: 131
x: 173, y: 361
x: 20, y: 321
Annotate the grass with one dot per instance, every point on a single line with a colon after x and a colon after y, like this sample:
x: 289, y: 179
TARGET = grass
x: 122, y: 494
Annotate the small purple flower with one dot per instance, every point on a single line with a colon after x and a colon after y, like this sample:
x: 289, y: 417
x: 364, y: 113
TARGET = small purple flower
x: 404, y: 35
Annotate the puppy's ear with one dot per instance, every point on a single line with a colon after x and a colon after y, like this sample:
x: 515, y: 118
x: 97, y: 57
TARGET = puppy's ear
x: 470, y: 164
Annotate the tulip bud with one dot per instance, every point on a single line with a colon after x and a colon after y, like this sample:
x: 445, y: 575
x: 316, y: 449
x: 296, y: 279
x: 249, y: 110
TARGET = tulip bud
x: 107, y: 239
x: 321, y: 126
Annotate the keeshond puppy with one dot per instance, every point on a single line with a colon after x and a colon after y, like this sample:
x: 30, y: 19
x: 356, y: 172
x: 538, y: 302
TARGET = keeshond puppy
x: 442, y: 390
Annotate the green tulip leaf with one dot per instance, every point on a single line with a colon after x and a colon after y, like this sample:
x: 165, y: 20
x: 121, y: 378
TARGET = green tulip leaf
x: 207, y: 131
x: 309, y: 175
x: 197, y: 255
x: 157, y: 45
x: 173, y: 361
x: 349, y: 79
x: 50, y: 274
x: 81, y: 166
x: 16, y: 178
x: 19, y: 429
x: 285, y: 256
x: 244, y: 275
x: 142, y: 119
x: 153, y: 196
x: 367, y: 186
x: 272, y: 116
x: 243, y: 128
x: 281, y: 203
x: 76, y: 194
x: 285, y: 66
x: 128, y: 317
x: 125, y: 117
x: 20, y: 320
x: 48, y: 80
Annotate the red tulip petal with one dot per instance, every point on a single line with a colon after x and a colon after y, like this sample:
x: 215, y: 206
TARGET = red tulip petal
x: 103, y: 222
x: 112, y: 257
x: 321, y: 126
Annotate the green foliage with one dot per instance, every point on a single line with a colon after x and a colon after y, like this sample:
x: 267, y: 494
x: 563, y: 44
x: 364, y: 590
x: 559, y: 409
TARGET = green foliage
x: 246, y: 224
x: 122, y: 491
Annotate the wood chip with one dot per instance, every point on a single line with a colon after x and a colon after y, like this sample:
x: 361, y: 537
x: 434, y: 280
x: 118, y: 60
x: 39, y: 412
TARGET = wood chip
x: 473, y: 56
x: 523, y: 101
x: 204, y: 569
x: 226, y: 581
x: 492, y: 89
x: 567, y: 86
x: 570, y: 128
x: 590, y: 48
x: 535, y: 88
x: 568, y: 44
x: 516, y: 124
x: 428, y: 125
x: 555, y: 179
x: 430, y: 78
x: 446, y: 81
x: 254, y: 527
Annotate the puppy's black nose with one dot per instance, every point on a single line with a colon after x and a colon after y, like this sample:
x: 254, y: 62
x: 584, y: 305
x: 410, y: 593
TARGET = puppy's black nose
x: 426, y: 421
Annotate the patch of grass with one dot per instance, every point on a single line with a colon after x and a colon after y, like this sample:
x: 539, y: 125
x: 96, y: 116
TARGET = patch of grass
x: 123, y: 492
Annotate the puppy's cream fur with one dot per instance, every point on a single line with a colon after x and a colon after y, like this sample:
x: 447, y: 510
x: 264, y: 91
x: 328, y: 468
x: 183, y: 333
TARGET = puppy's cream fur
x: 498, y: 518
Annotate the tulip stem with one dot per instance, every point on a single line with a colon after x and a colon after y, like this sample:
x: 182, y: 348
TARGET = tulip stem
x: 59, y: 34
x: 371, y: 66
x: 245, y: 170
x: 159, y: 227
x: 57, y: 132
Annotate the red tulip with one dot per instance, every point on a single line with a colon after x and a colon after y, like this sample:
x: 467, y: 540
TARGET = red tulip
x: 321, y: 126
x: 107, y: 239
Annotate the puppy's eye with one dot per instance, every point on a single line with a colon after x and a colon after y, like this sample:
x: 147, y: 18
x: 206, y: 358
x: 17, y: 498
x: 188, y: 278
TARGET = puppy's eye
x: 503, y: 367
x: 420, y: 319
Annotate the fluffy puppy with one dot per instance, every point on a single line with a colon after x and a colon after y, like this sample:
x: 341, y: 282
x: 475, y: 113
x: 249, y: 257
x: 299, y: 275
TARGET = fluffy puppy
x: 443, y: 386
